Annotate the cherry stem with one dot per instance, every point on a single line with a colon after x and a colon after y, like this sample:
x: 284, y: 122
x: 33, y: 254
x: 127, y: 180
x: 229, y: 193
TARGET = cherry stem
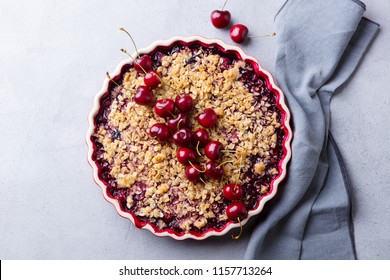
x: 171, y: 87
x: 228, y: 151
x: 135, y: 61
x: 178, y: 124
x: 224, y: 4
x: 158, y: 76
x: 201, y: 171
x: 225, y: 162
x: 268, y: 35
x: 143, y: 69
x: 202, y: 180
x: 197, y: 148
x: 135, y: 46
x: 109, y: 77
x: 235, y: 237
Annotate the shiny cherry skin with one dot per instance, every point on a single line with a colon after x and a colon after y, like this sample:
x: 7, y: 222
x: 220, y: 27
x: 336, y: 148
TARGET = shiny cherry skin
x: 186, y: 155
x: 179, y: 121
x: 152, y: 79
x: 200, y: 136
x: 185, y: 103
x: 236, y: 211
x: 160, y: 131
x: 238, y: 33
x: 143, y: 96
x: 182, y: 137
x: 164, y: 108
x: 214, y: 170
x: 213, y: 150
x: 220, y: 19
x: 208, y: 118
x: 233, y: 191
x: 168, y: 218
x: 193, y: 172
x: 143, y: 63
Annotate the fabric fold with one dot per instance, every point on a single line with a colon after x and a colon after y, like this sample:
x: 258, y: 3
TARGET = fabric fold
x: 320, y: 44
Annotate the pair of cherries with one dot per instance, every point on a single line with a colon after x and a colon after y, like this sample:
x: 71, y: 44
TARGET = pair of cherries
x: 213, y: 151
x: 221, y: 19
x: 236, y: 210
x: 144, y: 94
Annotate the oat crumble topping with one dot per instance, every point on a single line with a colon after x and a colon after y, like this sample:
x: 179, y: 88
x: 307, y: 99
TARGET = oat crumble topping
x: 145, y: 175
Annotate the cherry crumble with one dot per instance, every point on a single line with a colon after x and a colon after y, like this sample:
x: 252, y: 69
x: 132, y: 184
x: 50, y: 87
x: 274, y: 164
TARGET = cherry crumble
x: 144, y: 174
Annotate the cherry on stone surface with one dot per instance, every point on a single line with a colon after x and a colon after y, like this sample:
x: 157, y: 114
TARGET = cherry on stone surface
x: 208, y: 118
x: 143, y: 63
x: 143, y: 96
x: 238, y: 33
x: 193, y: 172
x: 152, y: 79
x: 220, y: 19
x: 236, y: 211
x: 200, y: 137
x: 164, y: 108
x: 186, y: 155
x: 179, y: 121
x: 213, y: 150
x: 185, y: 103
x: 214, y: 170
x: 160, y: 131
x: 233, y: 191
x: 182, y: 137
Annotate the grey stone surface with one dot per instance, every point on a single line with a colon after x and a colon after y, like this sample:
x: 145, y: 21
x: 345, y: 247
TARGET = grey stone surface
x: 53, y: 56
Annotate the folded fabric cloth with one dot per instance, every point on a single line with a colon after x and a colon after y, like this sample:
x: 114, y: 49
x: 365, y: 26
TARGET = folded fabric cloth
x: 320, y: 43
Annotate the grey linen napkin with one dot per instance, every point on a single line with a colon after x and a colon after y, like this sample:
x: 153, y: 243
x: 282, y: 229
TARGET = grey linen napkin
x: 320, y: 44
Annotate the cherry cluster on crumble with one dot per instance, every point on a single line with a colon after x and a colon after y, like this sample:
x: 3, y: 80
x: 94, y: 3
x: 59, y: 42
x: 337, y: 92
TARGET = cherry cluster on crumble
x: 188, y: 129
x: 177, y: 129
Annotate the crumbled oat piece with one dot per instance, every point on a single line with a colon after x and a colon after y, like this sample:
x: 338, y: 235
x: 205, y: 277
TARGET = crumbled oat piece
x: 200, y: 222
x: 259, y: 167
x: 264, y: 189
x: 129, y: 201
x: 163, y: 188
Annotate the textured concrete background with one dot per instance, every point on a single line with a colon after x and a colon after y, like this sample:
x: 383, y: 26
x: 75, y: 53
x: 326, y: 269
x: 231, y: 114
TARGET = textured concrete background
x: 53, y: 56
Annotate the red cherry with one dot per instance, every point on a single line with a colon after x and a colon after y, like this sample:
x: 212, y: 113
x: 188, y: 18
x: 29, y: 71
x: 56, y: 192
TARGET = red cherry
x: 238, y: 33
x: 185, y: 103
x: 193, y: 172
x: 181, y: 120
x: 213, y: 150
x: 143, y: 96
x: 144, y: 63
x: 160, y: 131
x: 220, y: 19
x: 152, y: 79
x: 168, y: 218
x: 208, y: 118
x: 232, y: 191
x: 236, y: 211
x: 182, y: 137
x: 186, y: 155
x: 214, y: 170
x: 200, y: 136
x: 164, y: 108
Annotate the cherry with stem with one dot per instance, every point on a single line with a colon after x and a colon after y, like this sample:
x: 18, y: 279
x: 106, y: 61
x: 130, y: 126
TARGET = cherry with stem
x: 239, y: 32
x: 220, y: 18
